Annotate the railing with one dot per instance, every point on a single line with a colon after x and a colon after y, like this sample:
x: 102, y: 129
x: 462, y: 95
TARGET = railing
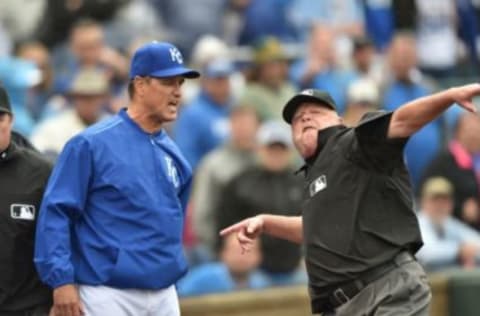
x: 292, y: 301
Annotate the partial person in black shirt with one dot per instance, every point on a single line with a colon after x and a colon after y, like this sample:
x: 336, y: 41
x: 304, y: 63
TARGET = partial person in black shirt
x: 358, y: 225
x: 269, y: 185
x: 23, y: 176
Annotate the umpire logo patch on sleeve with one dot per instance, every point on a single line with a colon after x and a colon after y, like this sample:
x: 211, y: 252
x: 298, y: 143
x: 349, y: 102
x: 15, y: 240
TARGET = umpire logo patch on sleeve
x: 318, y: 185
x: 22, y: 211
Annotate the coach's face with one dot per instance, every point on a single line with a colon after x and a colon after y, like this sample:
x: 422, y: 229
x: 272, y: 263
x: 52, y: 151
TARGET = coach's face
x: 308, y: 119
x: 162, y: 97
x: 6, y: 122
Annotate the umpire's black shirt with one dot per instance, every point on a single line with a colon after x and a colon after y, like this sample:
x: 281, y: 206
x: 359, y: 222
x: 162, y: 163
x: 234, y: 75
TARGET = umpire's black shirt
x: 358, y: 204
x: 23, y: 176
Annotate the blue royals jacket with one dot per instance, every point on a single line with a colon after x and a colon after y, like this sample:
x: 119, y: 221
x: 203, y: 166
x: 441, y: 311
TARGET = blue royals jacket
x: 113, y: 210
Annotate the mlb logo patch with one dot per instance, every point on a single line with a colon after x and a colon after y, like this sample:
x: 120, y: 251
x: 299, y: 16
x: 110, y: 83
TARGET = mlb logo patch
x: 22, y: 211
x: 318, y: 185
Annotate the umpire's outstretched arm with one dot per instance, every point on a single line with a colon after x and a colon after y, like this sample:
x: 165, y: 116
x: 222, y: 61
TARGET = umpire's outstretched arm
x: 412, y: 116
x: 285, y: 227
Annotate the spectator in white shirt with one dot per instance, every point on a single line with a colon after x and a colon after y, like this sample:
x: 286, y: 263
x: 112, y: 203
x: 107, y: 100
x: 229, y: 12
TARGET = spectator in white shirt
x: 88, y: 95
x: 447, y: 241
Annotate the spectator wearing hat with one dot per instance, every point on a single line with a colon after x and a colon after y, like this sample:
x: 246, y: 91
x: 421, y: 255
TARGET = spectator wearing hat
x: 447, y: 241
x: 88, y: 94
x: 23, y: 177
x: 459, y: 163
x: 269, y: 87
x: 234, y: 156
x: 363, y: 97
x: 109, y: 236
x: 206, y: 49
x: 276, y: 188
x: 202, y: 125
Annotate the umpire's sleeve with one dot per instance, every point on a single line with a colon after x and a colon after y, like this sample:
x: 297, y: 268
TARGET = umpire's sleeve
x: 374, y: 146
x: 64, y: 199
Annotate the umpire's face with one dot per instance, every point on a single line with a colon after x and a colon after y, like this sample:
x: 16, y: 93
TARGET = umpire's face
x: 308, y: 119
x: 6, y: 122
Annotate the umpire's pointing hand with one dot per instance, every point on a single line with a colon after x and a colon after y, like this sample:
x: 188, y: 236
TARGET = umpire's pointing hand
x: 246, y: 230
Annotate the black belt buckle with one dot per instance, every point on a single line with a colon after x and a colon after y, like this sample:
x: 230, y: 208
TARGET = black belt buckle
x: 340, y: 296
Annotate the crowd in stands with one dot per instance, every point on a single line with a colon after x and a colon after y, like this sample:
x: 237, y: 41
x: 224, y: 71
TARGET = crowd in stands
x: 65, y: 67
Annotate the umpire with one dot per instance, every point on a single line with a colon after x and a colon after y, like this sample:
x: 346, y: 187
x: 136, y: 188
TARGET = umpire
x: 23, y: 176
x: 358, y: 225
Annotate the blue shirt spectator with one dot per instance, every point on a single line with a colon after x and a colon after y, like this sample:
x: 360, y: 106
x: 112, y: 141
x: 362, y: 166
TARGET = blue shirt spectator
x: 236, y: 271
x: 425, y: 143
x: 319, y: 69
x: 379, y: 22
x: 263, y: 18
x: 334, y: 81
x: 203, y: 124
x: 346, y: 16
x: 405, y: 86
x: 215, y: 278
x: 185, y: 21
x: 468, y: 28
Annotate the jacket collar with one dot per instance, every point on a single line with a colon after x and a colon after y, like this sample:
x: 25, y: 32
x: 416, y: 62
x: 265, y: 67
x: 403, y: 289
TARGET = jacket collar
x: 9, y: 153
x: 124, y: 115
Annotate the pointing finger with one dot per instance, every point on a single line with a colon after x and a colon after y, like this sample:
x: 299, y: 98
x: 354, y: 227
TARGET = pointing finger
x: 231, y: 229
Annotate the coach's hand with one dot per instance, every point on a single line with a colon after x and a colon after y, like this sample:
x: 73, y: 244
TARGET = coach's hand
x: 246, y: 230
x: 66, y: 301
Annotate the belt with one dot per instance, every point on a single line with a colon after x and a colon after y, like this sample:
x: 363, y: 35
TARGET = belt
x: 333, y: 297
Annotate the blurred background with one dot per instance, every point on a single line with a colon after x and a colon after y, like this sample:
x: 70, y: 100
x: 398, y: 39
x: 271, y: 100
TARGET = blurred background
x: 65, y: 66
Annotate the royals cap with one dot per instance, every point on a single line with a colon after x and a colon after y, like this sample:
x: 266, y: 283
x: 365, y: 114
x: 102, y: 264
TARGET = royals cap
x: 159, y: 59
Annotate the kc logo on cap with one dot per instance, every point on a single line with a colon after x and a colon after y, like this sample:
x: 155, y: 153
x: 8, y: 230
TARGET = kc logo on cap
x: 159, y: 59
x: 176, y: 55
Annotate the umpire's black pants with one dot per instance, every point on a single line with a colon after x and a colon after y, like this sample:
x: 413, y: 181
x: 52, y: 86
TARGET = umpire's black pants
x: 404, y: 291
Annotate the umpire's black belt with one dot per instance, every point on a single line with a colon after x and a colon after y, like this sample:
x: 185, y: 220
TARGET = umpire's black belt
x: 329, y: 298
